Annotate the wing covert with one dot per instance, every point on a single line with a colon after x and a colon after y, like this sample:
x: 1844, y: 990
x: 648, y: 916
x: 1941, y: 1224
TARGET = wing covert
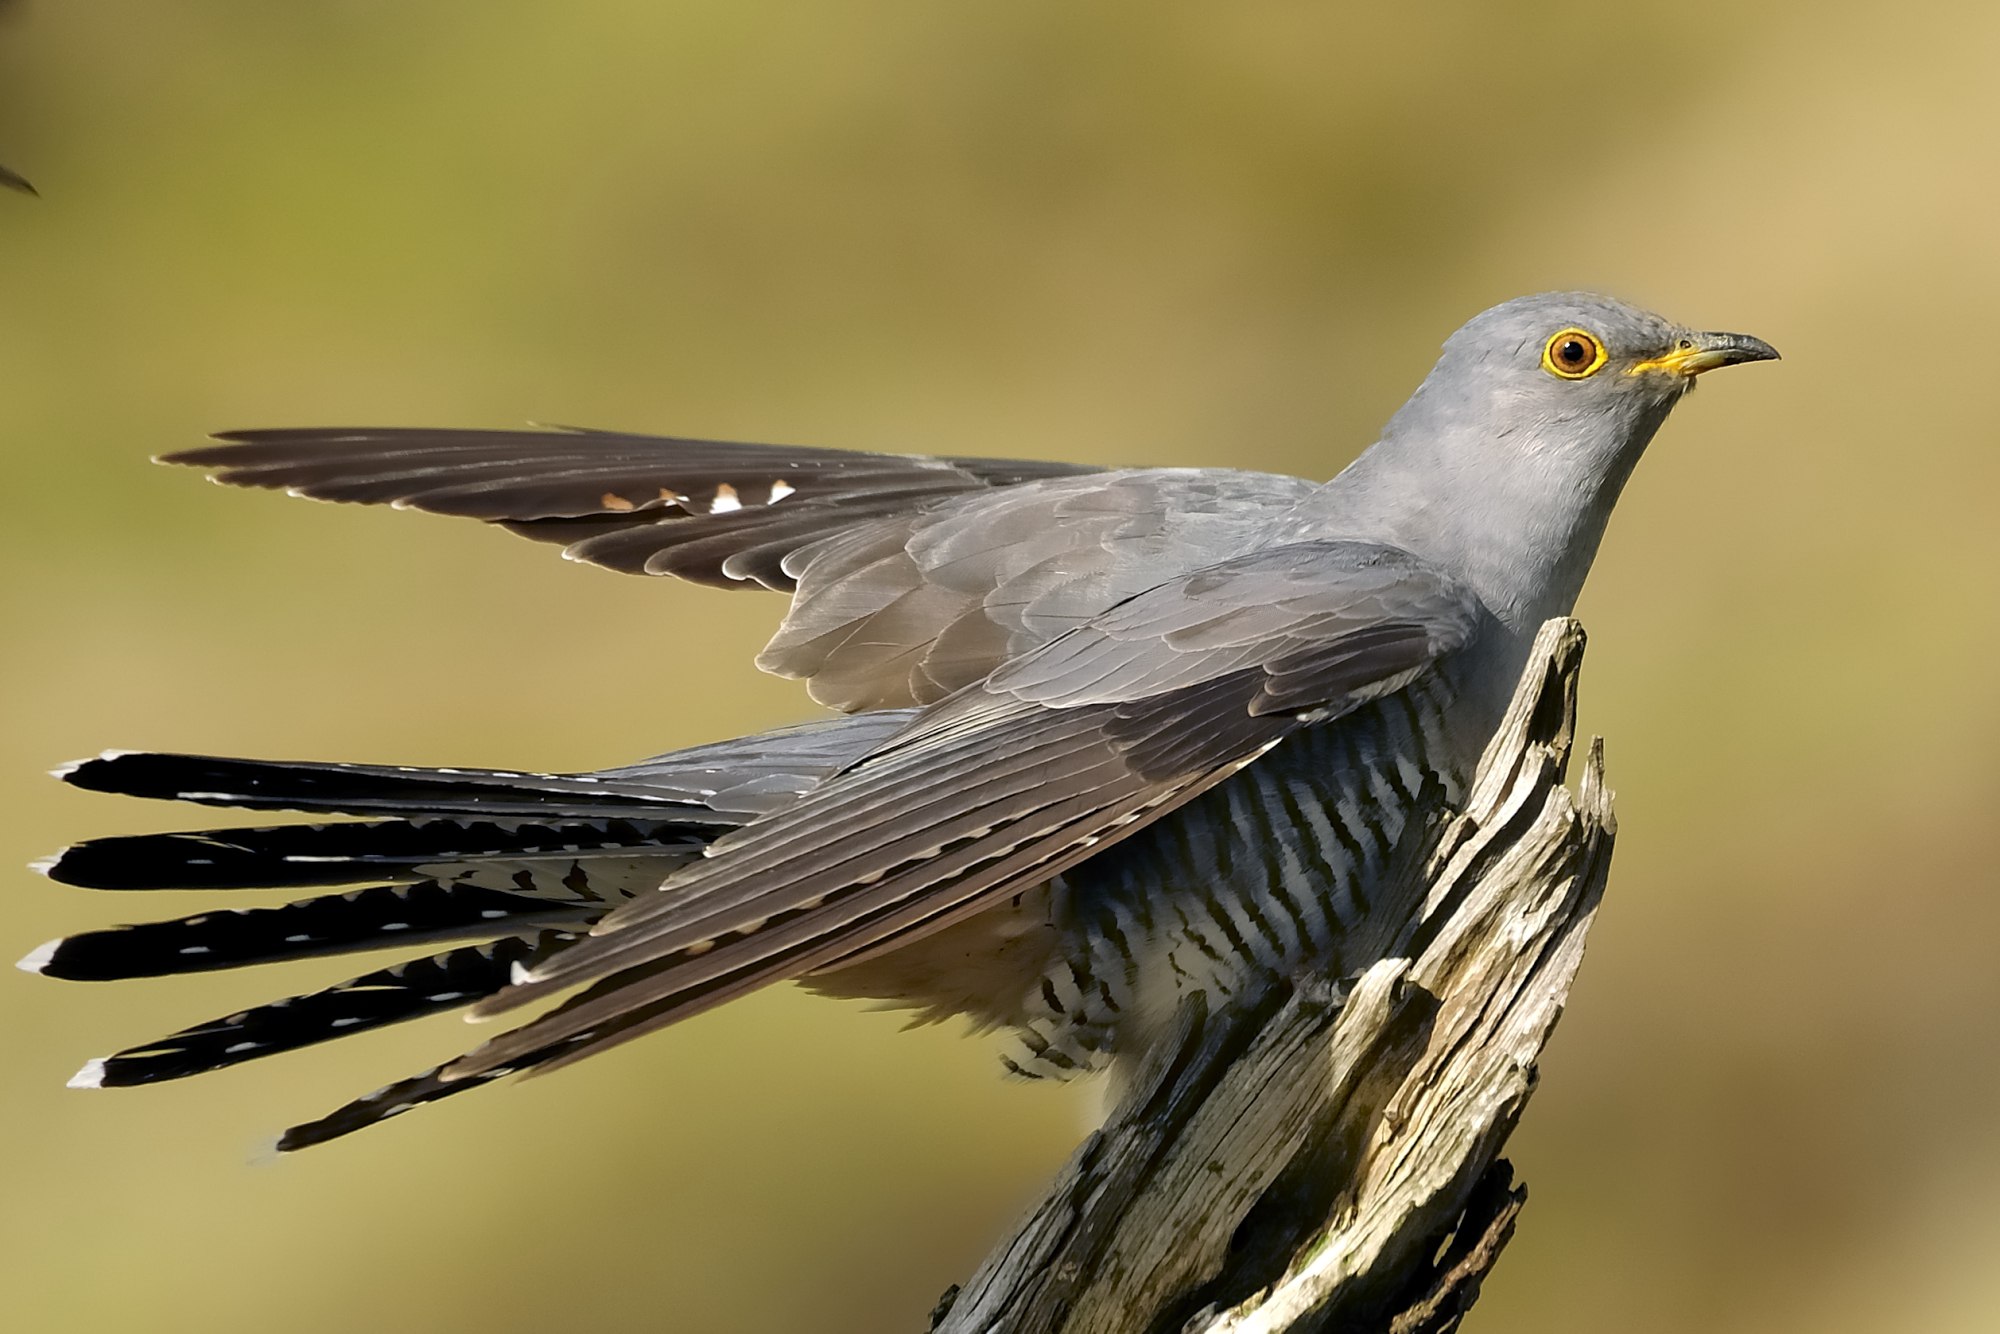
x: 907, y: 613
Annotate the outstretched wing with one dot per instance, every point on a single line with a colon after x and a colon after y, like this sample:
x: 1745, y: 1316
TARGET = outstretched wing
x: 912, y: 577
x: 715, y: 512
x: 1063, y: 751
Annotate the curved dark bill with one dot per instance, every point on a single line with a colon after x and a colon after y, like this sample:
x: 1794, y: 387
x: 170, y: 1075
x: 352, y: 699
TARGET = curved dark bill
x: 1729, y: 349
x: 1696, y: 353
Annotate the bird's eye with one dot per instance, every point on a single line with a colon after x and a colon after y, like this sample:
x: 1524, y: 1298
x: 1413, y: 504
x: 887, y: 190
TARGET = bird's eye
x: 1573, y: 354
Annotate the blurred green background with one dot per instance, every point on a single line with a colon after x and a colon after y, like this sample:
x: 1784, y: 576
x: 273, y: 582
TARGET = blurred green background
x: 1165, y: 233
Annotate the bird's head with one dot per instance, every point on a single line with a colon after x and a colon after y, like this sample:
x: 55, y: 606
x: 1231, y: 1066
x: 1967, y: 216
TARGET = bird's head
x: 1510, y: 455
x: 1573, y: 371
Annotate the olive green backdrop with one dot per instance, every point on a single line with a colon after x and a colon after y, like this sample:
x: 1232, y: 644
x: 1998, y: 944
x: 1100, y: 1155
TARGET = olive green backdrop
x: 1188, y: 234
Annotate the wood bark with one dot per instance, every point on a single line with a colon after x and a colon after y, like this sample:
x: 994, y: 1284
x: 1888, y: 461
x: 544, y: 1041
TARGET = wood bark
x: 1328, y: 1159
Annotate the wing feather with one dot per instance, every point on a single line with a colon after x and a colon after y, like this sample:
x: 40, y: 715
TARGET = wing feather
x: 525, y: 475
x: 616, y: 499
x: 990, y: 792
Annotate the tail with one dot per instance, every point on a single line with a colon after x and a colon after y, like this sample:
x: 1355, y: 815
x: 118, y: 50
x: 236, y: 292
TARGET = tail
x: 499, y: 868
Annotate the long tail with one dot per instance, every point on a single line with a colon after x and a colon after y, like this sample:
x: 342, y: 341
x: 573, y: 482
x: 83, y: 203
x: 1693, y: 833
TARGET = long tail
x: 501, y: 868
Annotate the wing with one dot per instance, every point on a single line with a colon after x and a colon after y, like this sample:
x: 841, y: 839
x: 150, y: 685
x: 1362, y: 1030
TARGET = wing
x: 715, y: 512
x: 912, y: 577
x: 1072, y: 747
x: 909, y: 613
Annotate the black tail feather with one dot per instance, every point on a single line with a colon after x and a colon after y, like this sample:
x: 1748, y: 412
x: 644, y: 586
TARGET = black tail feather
x: 406, y: 1094
x: 442, y: 1081
x: 280, y: 856
x: 527, y: 861
x: 391, y: 1100
x: 363, y: 919
x: 366, y: 789
x: 387, y: 996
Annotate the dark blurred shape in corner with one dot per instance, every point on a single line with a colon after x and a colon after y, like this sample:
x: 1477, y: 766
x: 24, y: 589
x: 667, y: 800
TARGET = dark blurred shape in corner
x: 9, y: 9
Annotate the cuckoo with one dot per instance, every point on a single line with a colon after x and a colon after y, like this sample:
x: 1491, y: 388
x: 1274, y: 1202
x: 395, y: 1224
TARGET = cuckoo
x: 1100, y: 737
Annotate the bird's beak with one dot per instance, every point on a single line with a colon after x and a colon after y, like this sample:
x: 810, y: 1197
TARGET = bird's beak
x: 1697, y: 352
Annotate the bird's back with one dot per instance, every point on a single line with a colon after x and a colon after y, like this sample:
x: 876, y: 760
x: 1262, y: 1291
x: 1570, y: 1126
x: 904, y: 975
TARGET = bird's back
x: 1278, y: 872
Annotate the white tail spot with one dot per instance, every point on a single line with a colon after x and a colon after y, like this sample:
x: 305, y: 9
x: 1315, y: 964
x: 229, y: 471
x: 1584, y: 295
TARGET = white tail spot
x: 38, y: 958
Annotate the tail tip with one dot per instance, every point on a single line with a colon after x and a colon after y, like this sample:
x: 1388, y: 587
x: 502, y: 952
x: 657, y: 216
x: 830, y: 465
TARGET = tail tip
x: 90, y: 1077
x: 45, y: 865
x: 65, y: 772
x: 38, y: 959
x: 266, y: 1151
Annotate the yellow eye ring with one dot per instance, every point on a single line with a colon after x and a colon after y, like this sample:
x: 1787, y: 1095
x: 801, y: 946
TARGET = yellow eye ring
x: 1573, y: 354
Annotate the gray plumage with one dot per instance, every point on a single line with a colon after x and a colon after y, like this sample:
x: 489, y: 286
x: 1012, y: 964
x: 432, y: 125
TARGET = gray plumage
x: 1115, y: 734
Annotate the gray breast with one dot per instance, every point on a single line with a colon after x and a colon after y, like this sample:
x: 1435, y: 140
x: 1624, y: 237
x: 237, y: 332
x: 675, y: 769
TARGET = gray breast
x: 1266, y: 875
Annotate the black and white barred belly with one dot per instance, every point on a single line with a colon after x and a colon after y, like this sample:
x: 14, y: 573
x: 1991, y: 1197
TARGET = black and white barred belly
x: 1263, y: 876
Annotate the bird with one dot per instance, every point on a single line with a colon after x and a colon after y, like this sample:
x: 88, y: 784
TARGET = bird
x: 1098, y: 738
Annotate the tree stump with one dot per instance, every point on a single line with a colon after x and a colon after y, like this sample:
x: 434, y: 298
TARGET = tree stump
x: 1327, y: 1160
